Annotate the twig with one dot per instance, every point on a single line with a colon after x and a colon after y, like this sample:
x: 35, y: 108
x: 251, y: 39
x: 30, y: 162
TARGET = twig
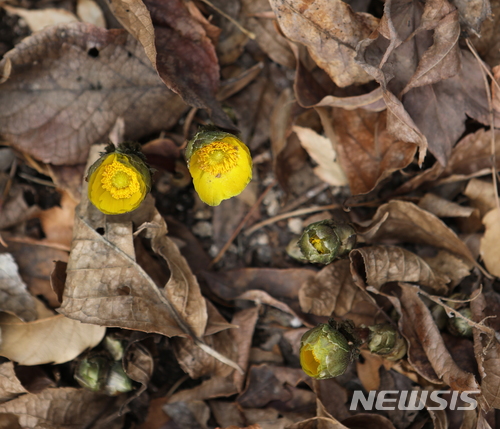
x: 295, y: 213
x: 310, y: 193
x: 242, y: 224
x: 236, y: 23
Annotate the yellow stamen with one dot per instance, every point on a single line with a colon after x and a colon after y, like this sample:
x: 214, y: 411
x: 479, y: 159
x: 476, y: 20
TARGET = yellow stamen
x: 217, y: 158
x: 318, y: 244
x: 119, y: 180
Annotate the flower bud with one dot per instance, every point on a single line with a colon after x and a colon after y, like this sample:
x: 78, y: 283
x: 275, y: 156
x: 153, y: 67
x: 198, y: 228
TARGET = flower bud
x: 118, y: 381
x: 119, y: 180
x: 325, y: 352
x: 220, y: 164
x: 460, y: 327
x: 386, y: 341
x: 322, y: 242
x: 92, y: 372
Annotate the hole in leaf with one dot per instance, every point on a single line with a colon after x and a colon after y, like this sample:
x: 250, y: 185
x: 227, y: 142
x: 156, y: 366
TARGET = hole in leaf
x: 93, y: 52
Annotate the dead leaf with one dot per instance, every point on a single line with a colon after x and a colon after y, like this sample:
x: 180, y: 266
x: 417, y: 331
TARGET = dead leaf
x: 367, y: 152
x: 10, y: 386
x: 331, y: 31
x: 321, y: 151
x: 331, y: 291
x: 384, y: 264
x: 426, y: 350
x: 86, y: 64
x: 57, y: 222
x: 15, y: 210
x: 490, y: 240
x: 486, y: 347
x: 447, y: 265
x: 214, y: 387
x: 38, y: 19
x: 442, y: 207
x: 35, y: 343
x: 14, y: 296
x: 89, y: 11
x: 408, y: 223
x: 481, y: 194
x: 62, y: 408
x: 193, y: 415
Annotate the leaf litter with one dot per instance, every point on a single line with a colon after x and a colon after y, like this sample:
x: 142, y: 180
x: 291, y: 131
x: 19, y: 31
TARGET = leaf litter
x: 334, y: 101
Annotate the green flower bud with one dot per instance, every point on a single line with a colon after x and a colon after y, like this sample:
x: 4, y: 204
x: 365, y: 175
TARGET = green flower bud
x: 114, y: 346
x: 118, y: 381
x: 326, y: 240
x: 460, y: 327
x: 325, y: 352
x: 92, y: 372
x: 386, y: 341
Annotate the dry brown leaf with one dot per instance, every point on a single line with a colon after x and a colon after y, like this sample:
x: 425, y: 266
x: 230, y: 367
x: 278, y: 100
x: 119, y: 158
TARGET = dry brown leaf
x: 61, y: 408
x: 50, y: 339
x: 15, y: 210
x: 214, y: 387
x: 177, y: 40
x: 38, y: 19
x: 106, y: 286
x: 489, y: 242
x: 266, y: 35
x: 321, y: 151
x: 57, y: 222
x: 10, y: 386
x: 408, y: 223
x: 426, y: 349
x: 77, y: 91
x: 442, y: 207
x: 331, y: 291
x: 446, y: 264
x: 384, y: 264
x: 193, y: 414
x: 331, y: 31
x: 367, y: 152
x: 89, y: 11
x: 14, y: 295
x: 481, y: 194
x: 197, y: 363
x: 419, y: 70
x: 487, y: 347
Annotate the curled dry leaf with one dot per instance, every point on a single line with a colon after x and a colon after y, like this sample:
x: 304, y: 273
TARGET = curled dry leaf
x: 321, y: 151
x: 51, y: 339
x: 384, y: 264
x: 490, y: 240
x: 87, y: 64
x: 62, y: 408
x: 106, y: 286
x: 177, y: 41
x: 406, y: 222
x: 487, y: 347
x: 10, y: 386
x: 14, y: 295
x: 331, y: 31
x: 368, y: 153
x: 426, y: 349
x: 481, y: 194
x: 332, y: 291
x: 38, y: 19
x: 442, y: 207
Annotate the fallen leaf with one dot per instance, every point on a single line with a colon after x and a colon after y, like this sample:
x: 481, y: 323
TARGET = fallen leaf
x: 321, y: 151
x: 38, y: 19
x: 14, y: 296
x: 193, y: 414
x: 408, y: 223
x: 331, y: 31
x: 442, y: 207
x: 384, y: 264
x: 51, y: 339
x: 10, y: 386
x: 487, y: 347
x: 89, y: 11
x: 114, y: 290
x: 63, y: 408
x: 331, y: 291
x: 482, y: 195
x: 368, y: 153
x: 86, y: 64
x: 490, y: 240
x: 57, y: 222
x: 214, y: 387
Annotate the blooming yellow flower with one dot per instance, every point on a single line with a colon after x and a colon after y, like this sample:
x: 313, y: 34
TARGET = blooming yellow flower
x: 119, y: 180
x: 220, y: 164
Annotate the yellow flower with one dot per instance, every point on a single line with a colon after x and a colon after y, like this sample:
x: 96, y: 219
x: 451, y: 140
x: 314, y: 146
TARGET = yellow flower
x: 119, y: 180
x: 324, y: 352
x: 220, y: 164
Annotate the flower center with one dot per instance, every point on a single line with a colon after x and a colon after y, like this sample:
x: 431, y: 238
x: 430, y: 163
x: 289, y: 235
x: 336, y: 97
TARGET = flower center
x: 119, y: 180
x: 217, y: 158
x: 310, y: 361
x: 318, y: 244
